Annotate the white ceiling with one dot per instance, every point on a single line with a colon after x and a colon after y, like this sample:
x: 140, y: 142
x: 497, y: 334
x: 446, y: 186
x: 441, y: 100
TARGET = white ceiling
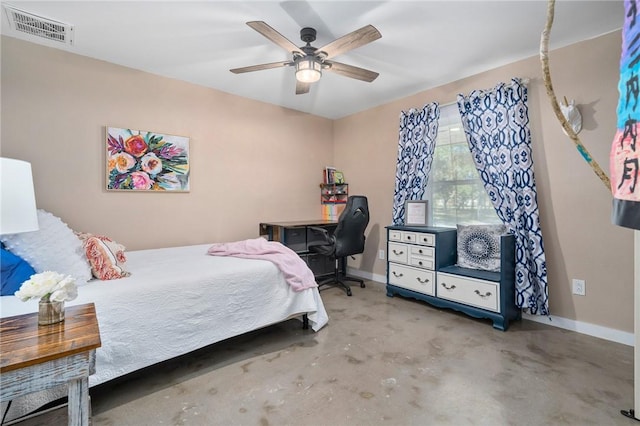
x: 424, y: 44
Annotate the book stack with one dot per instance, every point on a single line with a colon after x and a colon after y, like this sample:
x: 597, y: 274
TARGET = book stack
x: 328, y: 174
x: 332, y: 211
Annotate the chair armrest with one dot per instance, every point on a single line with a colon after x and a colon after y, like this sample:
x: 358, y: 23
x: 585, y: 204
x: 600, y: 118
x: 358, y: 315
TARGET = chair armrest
x: 321, y: 231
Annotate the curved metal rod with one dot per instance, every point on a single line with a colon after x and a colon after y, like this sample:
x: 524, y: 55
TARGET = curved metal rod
x: 544, y: 58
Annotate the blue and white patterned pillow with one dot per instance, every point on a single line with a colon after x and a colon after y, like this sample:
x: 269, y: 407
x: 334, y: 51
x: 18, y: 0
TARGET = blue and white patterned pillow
x: 479, y: 246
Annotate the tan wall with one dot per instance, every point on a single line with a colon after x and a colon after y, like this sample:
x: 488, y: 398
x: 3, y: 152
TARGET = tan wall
x: 248, y: 163
x: 580, y: 241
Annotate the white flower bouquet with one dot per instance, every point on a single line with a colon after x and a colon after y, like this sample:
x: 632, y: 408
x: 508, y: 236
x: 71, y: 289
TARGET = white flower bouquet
x: 48, y: 286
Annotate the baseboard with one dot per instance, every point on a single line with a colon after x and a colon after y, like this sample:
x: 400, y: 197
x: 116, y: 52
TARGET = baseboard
x: 599, y: 331
x: 367, y: 275
x: 605, y: 333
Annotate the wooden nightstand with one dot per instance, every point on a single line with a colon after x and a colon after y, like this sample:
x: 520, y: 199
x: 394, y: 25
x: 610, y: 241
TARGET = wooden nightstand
x: 35, y: 358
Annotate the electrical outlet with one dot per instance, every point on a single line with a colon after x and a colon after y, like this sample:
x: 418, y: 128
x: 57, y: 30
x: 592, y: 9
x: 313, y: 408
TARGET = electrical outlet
x: 381, y: 254
x: 579, y: 287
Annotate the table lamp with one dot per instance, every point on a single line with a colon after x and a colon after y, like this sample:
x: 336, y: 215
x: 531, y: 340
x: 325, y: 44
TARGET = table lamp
x: 17, y: 197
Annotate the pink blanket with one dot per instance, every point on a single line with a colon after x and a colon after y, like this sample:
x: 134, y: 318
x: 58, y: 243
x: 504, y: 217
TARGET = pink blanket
x: 295, y: 270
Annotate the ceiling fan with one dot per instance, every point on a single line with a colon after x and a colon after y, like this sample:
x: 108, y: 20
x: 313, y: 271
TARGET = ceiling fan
x: 309, y: 61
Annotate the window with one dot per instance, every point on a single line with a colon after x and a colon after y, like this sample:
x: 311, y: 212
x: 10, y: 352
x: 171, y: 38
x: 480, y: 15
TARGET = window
x: 455, y: 190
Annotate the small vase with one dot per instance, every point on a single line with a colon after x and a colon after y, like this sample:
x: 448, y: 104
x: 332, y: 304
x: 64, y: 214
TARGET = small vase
x: 50, y: 312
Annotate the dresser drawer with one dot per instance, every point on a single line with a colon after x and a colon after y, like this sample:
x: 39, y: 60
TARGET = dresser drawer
x: 409, y: 237
x: 421, y: 262
x: 421, y: 251
x: 395, y: 235
x: 398, y: 253
x: 415, y: 279
x: 426, y: 239
x: 470, y: 291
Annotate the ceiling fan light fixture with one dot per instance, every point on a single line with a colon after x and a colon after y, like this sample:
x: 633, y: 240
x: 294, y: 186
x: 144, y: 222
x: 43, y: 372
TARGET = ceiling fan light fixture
x: 308, y: 70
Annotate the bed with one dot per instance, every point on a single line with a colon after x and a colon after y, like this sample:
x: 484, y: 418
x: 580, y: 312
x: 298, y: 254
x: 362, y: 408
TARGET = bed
x: 177, y: 300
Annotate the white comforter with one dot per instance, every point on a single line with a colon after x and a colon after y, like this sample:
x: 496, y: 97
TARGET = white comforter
x: 180, y: 299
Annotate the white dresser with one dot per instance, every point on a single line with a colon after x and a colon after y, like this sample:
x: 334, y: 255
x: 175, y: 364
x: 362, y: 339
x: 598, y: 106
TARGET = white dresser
x: 421, y: 265
x: 412, y: 256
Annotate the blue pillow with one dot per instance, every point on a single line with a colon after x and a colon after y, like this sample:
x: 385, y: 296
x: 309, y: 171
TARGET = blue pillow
x: 14, y: 270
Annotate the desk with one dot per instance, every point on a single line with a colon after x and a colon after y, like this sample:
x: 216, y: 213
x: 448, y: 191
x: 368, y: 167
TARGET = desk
x: 35, y: 358
x: 296, y: 235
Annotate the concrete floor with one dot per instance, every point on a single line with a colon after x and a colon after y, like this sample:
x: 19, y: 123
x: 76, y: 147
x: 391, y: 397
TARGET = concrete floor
x: 382, y: 361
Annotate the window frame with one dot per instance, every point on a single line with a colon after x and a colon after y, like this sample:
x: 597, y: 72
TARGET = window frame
x: 450, y: 120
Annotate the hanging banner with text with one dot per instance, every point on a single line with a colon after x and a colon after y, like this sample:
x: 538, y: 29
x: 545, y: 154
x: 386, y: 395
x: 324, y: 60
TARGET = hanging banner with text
x: 624, y: 159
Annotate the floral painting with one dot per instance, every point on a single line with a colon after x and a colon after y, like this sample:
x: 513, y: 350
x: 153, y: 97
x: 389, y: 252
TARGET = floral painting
x: 138, y: 160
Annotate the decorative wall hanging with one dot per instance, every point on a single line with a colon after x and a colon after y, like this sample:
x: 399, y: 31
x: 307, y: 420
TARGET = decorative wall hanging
x: 139, y: 160
x: 572, y: 115
x: 624, y: 158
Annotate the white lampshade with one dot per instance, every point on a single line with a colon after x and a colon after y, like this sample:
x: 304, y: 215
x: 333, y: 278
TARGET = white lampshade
x: 308, y: 70
x: 17, y: 198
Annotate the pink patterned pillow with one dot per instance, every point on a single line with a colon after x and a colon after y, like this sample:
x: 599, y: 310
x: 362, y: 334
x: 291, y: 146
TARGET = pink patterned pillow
x: 105, y: 256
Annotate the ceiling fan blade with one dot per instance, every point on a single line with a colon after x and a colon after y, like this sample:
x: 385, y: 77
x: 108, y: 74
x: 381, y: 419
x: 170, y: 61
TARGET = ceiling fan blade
x: 351, y: 71
x: 267, y: 31
x: 350, y: 41
x: 261, y: 67
x: 302, y: 88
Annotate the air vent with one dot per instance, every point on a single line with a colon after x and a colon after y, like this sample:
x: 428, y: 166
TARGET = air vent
x: 28, y: 23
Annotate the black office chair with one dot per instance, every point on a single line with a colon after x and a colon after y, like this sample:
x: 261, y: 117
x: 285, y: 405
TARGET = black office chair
x: 346, y: 240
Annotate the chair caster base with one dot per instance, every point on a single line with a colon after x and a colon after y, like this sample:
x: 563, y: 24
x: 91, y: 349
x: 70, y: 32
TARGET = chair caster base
x: 338, y: 284
x: 356, y: 280
x: 338, y: 280
x: 333, y: 282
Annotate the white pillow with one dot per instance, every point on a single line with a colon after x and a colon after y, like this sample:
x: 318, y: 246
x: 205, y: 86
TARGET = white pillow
x: 54, y: 247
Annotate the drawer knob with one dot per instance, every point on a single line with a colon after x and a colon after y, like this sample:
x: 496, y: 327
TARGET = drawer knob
x: 420, y: 263
x: 397, y: 252
x: 484, y: 296
x: 448, y: 288
x: 420, y: 251
x: 397, y: 275
x: 421, y: 281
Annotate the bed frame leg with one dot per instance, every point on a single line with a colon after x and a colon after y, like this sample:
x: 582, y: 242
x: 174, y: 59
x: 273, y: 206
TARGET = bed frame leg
x: 305, y: 322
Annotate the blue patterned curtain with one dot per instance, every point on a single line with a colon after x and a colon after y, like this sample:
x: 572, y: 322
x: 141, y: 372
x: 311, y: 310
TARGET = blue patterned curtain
x: 416, y: 143
x: 496, y: 123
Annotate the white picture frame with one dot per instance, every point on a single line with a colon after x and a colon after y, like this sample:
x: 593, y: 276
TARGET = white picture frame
x: 416, y: 213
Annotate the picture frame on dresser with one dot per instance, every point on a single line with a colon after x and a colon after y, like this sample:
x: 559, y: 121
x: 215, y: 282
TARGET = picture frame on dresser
x: 416, y: 213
